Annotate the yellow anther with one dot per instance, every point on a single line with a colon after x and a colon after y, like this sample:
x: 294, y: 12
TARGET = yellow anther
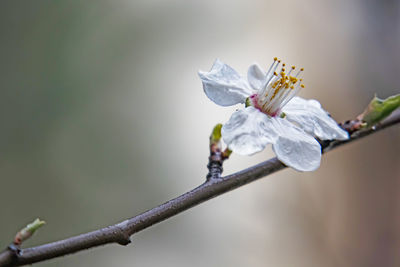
x: 301, y: 80
x: 302, y: 86
x: 275, y: 58
x: 292, y: 87
x: 283, y: 69
x: 283, y: 64
x: 276, y: 74
x: 302, y: 69
x: 279, y: 61
x: 293, y: 67
x: 293, y: 79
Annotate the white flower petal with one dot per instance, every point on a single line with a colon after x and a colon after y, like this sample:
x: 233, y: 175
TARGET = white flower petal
x: 296, y: 148
x: 247, y: 131
x: 256, y: 76
x: 310, y: 116
x: 224, y: 86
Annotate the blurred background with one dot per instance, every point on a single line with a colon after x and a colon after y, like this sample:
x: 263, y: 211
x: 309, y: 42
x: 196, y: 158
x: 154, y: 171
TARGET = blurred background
x: 103, y: 117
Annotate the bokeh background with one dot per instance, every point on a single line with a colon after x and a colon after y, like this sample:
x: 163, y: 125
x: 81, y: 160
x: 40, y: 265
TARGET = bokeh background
x: 103, y: 117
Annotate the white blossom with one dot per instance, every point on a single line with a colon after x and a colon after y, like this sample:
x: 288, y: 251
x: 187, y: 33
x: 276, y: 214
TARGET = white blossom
x: 273, y: 114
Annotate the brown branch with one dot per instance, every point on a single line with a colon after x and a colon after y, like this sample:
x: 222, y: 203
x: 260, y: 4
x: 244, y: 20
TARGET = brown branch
x: 120, y: 233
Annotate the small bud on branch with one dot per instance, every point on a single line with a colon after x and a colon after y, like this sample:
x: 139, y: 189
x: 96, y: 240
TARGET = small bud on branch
x: 379, y: 109
x: 215, y: 136
x: 376, y: 111
x: 28, y: 231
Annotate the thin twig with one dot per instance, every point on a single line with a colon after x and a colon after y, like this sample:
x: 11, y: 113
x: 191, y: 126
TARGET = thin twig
x: 120, y: 233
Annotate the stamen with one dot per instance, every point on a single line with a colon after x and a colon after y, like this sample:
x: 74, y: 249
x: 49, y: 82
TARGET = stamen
x: 266, y: 93
x: 290, y: 71
x: 279, y: 88
x: 270, y: 91
x: 292, y: 94
x: 299, y: 73
x: 270, y: 74
x: 264, y: 88
x: 275, y: 103
x: 272, y: 65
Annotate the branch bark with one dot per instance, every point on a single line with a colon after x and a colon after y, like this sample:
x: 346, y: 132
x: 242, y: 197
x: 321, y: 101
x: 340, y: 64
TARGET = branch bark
x: 120, y: 233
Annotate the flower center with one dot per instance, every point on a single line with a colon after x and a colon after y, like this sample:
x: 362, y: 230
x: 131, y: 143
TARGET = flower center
x: 278, y: 89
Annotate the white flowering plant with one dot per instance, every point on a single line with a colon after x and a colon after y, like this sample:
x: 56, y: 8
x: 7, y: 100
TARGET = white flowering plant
x: 273, y: 114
